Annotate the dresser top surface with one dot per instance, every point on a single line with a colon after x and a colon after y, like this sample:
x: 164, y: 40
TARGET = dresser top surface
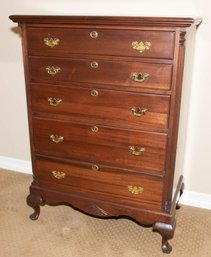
x: 108, y: 20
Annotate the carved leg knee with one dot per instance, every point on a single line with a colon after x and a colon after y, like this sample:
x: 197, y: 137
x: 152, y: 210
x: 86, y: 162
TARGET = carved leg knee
x: 35, y: 201
x: 167, y: 232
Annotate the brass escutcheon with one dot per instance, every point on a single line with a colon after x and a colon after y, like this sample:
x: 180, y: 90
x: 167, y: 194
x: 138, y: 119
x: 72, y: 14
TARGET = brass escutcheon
x: 94, y: 64
x: 95, y: 129
x: 93, y: 34
x: 94, y: 92
x: 95, y: 167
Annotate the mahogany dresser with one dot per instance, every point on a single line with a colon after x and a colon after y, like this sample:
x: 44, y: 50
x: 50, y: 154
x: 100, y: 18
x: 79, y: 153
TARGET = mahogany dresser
x: 103, y: 98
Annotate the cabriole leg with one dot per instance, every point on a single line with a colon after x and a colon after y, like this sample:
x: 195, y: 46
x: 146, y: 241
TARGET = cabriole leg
x: 167, y: 232
x: 35, y: 201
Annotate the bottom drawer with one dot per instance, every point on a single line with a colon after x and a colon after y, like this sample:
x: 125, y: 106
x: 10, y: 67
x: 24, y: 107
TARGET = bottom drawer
x: 138, y: 190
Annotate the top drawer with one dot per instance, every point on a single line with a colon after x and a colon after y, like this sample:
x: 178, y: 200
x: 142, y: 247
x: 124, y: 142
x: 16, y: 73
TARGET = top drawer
x: 65, y: 41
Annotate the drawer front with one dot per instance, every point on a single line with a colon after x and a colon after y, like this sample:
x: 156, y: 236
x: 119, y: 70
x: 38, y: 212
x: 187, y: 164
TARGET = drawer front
x: 57, y: 42
x: 122, y: 109
x: 136, y: 190
x: 134, y: 150
x: 130, y: 74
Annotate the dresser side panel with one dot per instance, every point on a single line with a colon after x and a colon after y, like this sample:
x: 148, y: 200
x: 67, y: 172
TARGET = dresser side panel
x: 185, y: 104
x: 177, y: 144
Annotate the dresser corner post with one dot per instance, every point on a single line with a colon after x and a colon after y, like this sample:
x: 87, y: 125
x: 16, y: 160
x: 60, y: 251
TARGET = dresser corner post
x: 166, y: 230
x: 35, y: 201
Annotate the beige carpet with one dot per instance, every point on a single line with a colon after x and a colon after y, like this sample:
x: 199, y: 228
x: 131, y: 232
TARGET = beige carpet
x: 63, y: 232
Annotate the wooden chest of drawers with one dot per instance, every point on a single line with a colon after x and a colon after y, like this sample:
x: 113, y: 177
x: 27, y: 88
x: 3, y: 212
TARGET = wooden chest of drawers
x: 103, y: 102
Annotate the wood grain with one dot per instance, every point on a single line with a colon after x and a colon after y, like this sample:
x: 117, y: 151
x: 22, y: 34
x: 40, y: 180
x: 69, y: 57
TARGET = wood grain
x: 109, y: 146
x: 114, y: 73
x: 108, y: 108
x: 108, y: 42
x: 99, y: 183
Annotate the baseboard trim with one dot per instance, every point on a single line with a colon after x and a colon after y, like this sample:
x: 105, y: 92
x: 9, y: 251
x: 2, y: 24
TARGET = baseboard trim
x: 196, y: 199
x: 15, y: 165
x: 191, y: 198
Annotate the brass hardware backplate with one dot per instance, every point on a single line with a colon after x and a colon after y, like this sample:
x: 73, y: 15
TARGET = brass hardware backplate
x: 51, y: 42
x: 135, y: 150
x: 54, y: 101
x: 141, y: 46
x: 136, y: 190
x: 52, y: 70
x: 137, y: 111
x: 139, y: 77
x: 58, y: 174
x: 56, y: 139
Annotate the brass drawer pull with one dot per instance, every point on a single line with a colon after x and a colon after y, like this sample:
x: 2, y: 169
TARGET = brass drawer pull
x: 54, y: 101
x: 51, y: 70
x: 95, y: 167
x: 93, y: 34
x: 135, y: 150
x: 136, y: 190
x: 94, y: 64
x: 58, y: 174
x: 56, y: 139
x: 94, y: 92
x: 137, y: 111
x: 51, y: 42
x: 141, y: 46
x: 139, y: 77
x: 95, y: 129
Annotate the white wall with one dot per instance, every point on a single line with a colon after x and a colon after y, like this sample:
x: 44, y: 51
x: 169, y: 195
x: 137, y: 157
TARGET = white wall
x: 14, y: 141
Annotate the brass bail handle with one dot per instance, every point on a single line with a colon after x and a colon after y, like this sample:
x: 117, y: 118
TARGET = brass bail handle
x: 136, y: 190
x: 137, y: 111
x: 135, y: 150
x: 58, y: 174
x: 53, y: 70
x: 141, y: 46
x: 51, y: 42
x: 139, y: 77
x: 56, y: 139
x: 54, y: 101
